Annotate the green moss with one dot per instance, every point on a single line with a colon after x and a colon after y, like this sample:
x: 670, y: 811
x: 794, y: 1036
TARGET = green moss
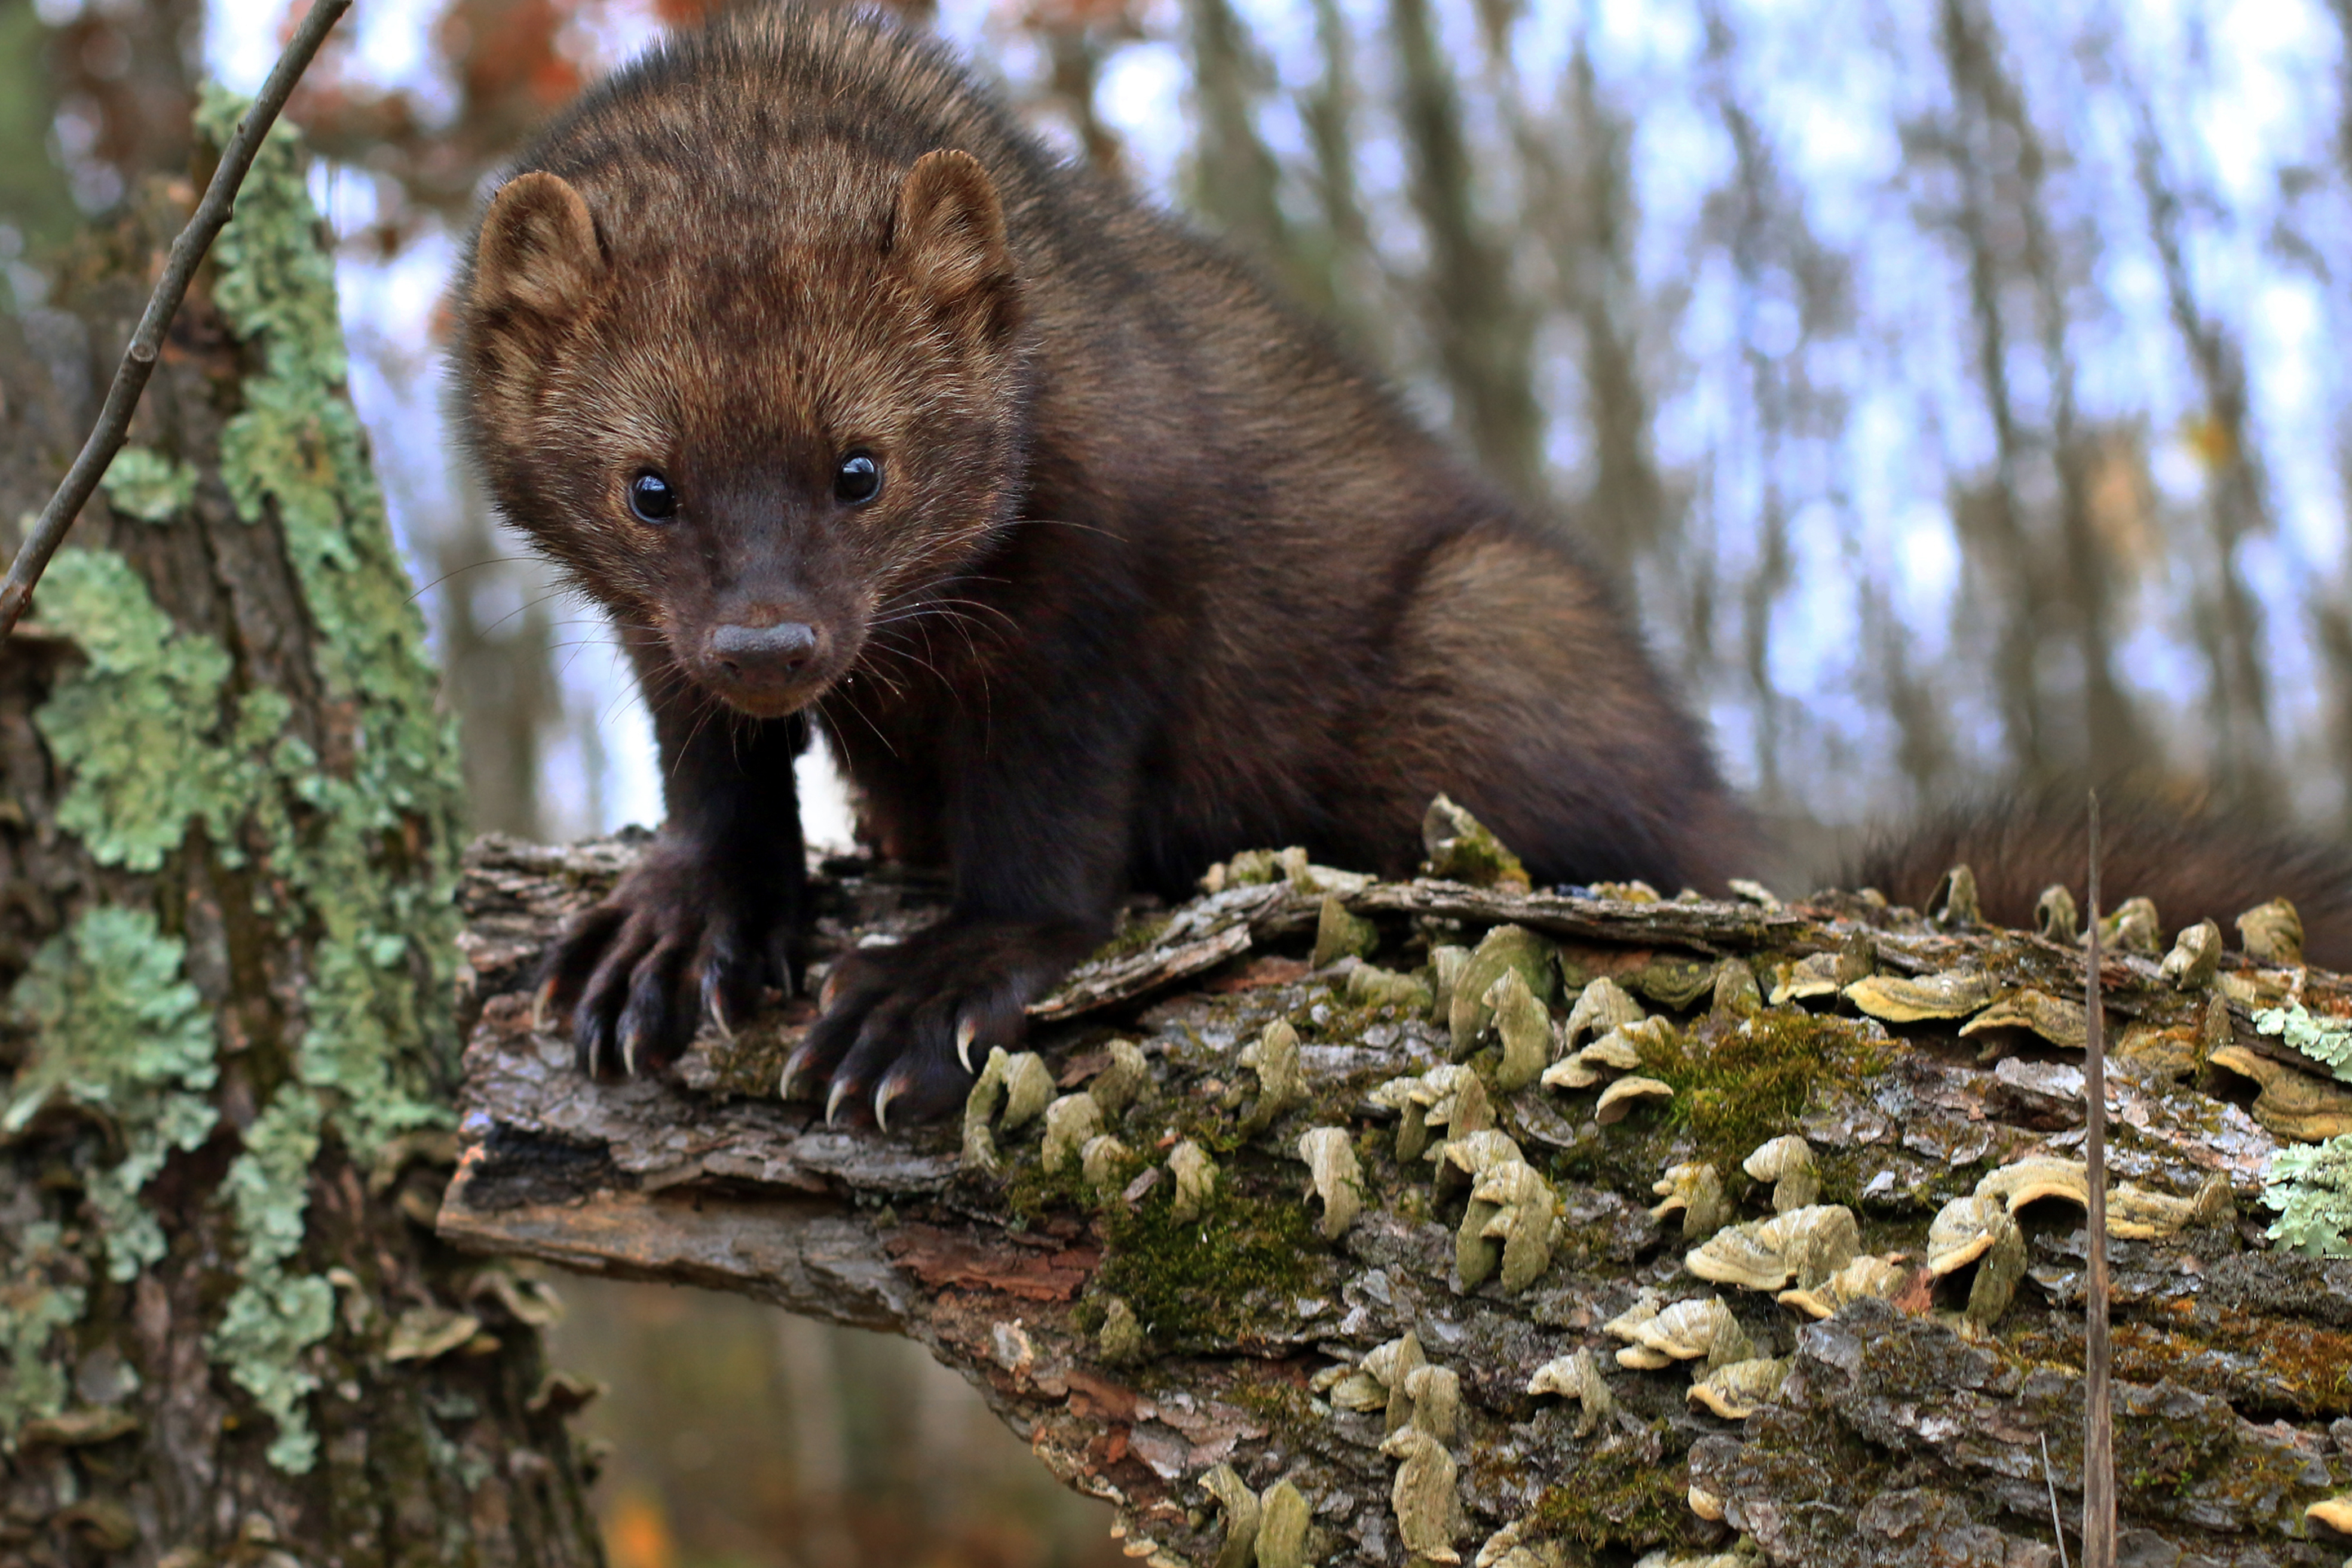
x: 1133, y: 938
x: 1612, y: 1496
x: 1209, y: 1277
x: 122, y: 1033
x: 146, y: 484
x: 1738, y: 1081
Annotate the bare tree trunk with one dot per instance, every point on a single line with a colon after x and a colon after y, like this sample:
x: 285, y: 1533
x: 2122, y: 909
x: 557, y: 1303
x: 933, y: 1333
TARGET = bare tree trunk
x: 227, y: 856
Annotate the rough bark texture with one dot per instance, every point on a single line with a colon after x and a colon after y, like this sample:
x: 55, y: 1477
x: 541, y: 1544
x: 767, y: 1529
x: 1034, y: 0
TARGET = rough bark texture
x: 1138, y: 1350
x: 227, y: 851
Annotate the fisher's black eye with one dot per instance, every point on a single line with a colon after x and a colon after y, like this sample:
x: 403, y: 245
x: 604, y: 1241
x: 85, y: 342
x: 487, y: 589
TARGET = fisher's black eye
x: 651, y: 498
x: 858, y: 479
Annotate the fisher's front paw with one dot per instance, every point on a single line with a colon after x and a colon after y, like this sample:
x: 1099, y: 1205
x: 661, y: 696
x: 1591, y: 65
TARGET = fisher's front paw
x: 686, y: 930
x: 903, y: 1026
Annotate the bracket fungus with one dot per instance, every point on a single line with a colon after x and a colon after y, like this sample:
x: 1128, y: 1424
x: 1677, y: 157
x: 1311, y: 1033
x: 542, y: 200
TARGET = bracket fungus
x: 1241, y: 1506
x: 1116, y: 1086
x: 1435, y: 1392
x: 1460, y: 848
x: 1683, y: 1331
x: 1275, y: 1057
x: 1102, y: 1160
x: 2134, y: 928
x: 2195, y: 958
x: 1620, y: 1097
x: 2060, y: 1021
x: 2056, y: 916
x: 1335, y: 1177
x: 1786, y: 1161
x: 1577, y: 1376
x: 1808, y: 1244
x: 1010, y: 1090
x: 1600, y: 1008
x: 2271, y: 933
x: 1070, y: 1121
x: 1339, y: 934
x: 1451, y: 1095
x: 1428, y: 1512
x: 1196, y: 1179
x: 1505, y: 947
x: 1863, y: 1276
x: 1979, y: 1230
x: 1524, y: 1025
x: 1121, y: 1340
x: 1618, y: 1050
x: 1737, y: 1390
x: 1508, y: 1221
x: 1953, y: 905
x: 1736, y: 990
x: 1894, y: 1000
x: 1462, y: 1161
x: 1282, y: 1520
x: 1370, y: 985
x: 1695, y: 1190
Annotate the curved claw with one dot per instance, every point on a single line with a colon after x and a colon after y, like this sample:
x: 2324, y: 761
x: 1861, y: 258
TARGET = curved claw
x: 965, y: 1032
x: 832, y: 1101
x: 629, y: 1051
x: 788, y: 1083
x: 543, y: 1003
x: 718, y: 1005
x: 892, y: 1088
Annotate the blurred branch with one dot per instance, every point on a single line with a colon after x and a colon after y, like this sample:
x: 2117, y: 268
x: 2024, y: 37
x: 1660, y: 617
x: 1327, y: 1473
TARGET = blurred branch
x: 212, y: 214
x: 1481, y: 322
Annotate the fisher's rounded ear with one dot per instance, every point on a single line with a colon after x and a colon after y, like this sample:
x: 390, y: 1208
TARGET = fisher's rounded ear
x: 948, y: 233
x: 538, y: 251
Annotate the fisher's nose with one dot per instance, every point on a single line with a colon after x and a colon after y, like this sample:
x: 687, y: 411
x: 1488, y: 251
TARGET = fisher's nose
x: 778, y: 651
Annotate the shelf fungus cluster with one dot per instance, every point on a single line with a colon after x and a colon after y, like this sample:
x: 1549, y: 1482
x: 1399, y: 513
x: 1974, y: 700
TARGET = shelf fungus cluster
x: 1422, y: 1404
x: 1363, y: 1128
x: 1732, y: 1380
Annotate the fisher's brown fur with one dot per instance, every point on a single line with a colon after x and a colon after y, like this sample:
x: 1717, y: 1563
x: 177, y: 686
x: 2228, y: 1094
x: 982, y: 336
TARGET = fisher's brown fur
x: 1156, y: 573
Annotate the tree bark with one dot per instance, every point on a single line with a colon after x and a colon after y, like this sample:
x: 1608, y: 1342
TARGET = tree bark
x: 227, y: 850
x: 1189, y: 1369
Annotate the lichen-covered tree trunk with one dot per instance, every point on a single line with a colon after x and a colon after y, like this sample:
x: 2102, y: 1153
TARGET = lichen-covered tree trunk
x: 1564, y: 1231
x: 227, y: 862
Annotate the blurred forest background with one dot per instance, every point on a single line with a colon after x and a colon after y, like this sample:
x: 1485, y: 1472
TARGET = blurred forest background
x: 1957, y: 387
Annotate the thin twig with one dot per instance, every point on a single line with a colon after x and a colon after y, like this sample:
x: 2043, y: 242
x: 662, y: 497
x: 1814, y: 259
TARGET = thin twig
x: 2057, y: 1522
x: 2098, y: 1421
x: 212, y: 214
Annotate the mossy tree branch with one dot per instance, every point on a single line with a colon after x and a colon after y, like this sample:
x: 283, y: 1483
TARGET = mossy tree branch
x: 1164, y: 1290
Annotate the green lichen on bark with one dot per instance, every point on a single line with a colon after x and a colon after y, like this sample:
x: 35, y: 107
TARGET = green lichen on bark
x: 147, y: 485
x: 124, y: 1035
x: 135, y: 725
x: 34, y: 1305
x: 2311, y: 1186
x: 159, y: 732
x: 297, y: 446
x: 277, y: 1312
